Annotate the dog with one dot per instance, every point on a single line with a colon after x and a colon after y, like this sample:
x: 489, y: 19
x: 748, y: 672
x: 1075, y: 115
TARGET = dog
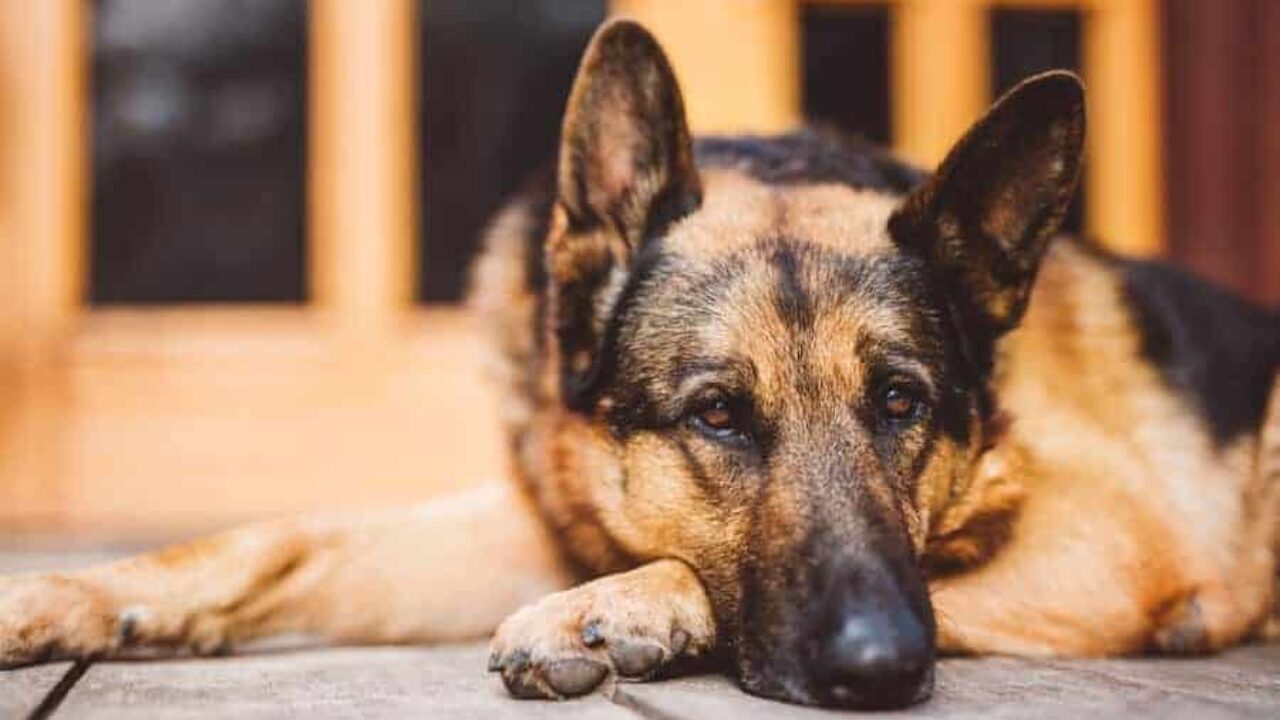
x: 791, y: 408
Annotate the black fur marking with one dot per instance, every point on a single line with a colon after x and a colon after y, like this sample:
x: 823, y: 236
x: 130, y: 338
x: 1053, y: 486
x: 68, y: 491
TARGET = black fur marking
x: 671, y: 205
x: 582, y: 392
x: 1219, y: 351
x: 791, y: 297
x: 696, y: 468
x: 809, y: 156
x: 538, y: 193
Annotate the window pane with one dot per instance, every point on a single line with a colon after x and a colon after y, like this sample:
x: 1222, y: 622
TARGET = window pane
x: 198, y: 138
x: 846, y: 68
x: 495, y: 77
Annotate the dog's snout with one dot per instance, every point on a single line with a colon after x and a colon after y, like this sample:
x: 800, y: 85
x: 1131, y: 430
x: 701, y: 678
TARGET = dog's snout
x: 876, y: 657
x: 853, y: 627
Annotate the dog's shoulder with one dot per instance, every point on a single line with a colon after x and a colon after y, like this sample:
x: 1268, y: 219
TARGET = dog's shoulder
x: 1095, y: 314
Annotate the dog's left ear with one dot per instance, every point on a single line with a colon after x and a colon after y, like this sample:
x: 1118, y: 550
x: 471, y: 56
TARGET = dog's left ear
x: 984, y: 219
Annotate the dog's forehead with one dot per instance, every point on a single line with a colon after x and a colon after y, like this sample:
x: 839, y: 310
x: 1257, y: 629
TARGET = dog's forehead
x: 761, y: 261
x: 739, y: 210
x: 763, y: 275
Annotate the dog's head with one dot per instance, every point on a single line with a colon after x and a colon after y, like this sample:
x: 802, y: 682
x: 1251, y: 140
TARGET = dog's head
x: 780, y: 383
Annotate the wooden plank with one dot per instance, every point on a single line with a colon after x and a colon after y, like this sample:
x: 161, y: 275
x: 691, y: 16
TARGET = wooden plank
x: 363, y: 169
x: 188, y: 419
x: 940, y: 60
x: 1124, y: 175
x: 1012, y: 688
x: 1245, y: 679
x: 738, y: 61
x: 449, y: 682
x: 43, y: 158
x: 22, y: 691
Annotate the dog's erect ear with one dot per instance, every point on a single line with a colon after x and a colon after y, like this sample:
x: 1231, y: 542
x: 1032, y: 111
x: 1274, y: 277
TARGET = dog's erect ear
x: 985, y: 217
x: 625, y: 173
x: 626, y: 158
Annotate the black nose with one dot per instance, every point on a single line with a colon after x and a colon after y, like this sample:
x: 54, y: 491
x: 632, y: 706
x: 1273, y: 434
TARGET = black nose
x: 875, y: 659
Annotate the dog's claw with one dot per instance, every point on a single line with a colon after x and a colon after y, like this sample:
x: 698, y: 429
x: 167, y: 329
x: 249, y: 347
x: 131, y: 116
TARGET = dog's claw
x: 679, y: 641
x: 591, y: 634
x: 520, y: 675
x: 517, y: 661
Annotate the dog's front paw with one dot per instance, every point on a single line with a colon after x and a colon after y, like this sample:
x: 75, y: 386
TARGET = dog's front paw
x: 629, y: 625
x: 52, y: 617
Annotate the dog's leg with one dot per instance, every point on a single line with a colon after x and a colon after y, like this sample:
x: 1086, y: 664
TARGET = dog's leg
x: 445, y: 570
x: 629, y: 625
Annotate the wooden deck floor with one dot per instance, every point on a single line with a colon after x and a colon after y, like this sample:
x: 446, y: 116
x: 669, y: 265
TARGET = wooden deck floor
x: 450, y: 682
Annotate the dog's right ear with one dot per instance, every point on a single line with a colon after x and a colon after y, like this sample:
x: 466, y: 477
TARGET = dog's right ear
x: 985, y: 218
x: 625, y: 172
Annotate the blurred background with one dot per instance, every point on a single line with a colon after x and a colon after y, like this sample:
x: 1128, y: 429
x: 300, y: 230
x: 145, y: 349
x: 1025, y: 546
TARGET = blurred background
x: 234, y: 233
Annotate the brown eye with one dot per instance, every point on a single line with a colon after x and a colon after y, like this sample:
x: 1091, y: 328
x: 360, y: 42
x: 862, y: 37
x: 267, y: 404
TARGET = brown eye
x: 717, y: 416
x: 720, y: 420
x: 900, y: 403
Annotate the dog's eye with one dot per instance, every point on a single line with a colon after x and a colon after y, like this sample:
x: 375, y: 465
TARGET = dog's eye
x: 901, y: 403
x: 717, y: 417
x: 719, y: 420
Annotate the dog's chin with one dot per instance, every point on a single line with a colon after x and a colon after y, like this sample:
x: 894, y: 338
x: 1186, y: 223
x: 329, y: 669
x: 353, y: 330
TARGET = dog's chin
x: 790, y: 688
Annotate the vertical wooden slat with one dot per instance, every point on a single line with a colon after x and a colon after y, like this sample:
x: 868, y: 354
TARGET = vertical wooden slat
x: 1124, y: 174
x: 939, y: 74
x: 42, y: 185
x: 363, y: 151
x: 1222, y: 105
x: 738, y: 61
x: 1207, y: 145
x: 1266, y: 272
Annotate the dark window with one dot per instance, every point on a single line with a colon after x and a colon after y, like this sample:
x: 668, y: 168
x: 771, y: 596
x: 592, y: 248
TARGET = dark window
x: 846, y: 68
x: 198, y: 150
x: 1027, y: 42
x: 495, y: 76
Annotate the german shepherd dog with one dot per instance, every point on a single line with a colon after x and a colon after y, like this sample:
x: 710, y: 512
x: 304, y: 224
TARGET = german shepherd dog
x: 791, y: 406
